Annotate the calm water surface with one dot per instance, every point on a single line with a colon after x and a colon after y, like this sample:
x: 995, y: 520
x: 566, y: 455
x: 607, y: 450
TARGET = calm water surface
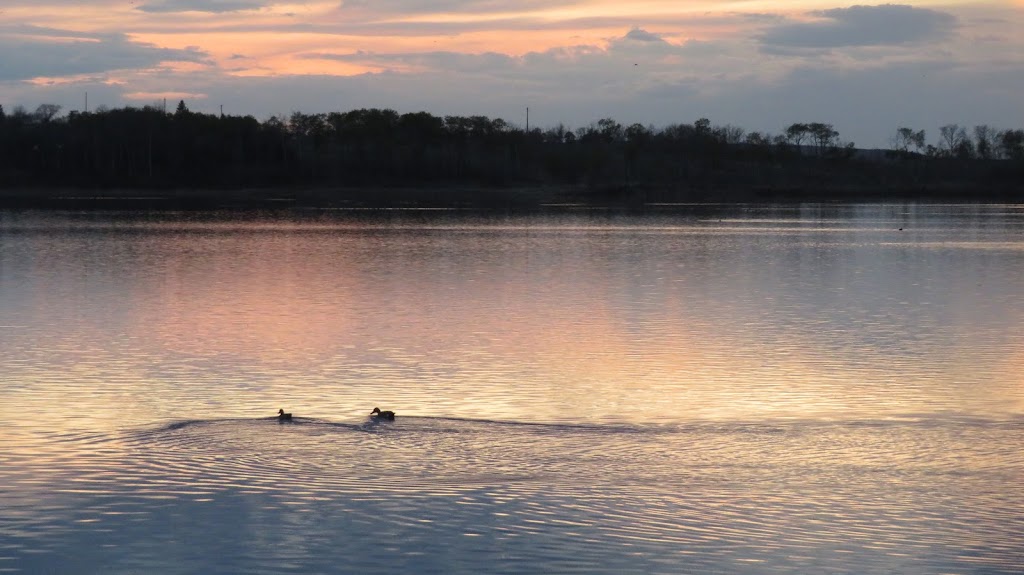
x: 761, y: 389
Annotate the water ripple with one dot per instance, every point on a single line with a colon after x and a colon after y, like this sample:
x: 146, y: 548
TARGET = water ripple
x: 775, y: 389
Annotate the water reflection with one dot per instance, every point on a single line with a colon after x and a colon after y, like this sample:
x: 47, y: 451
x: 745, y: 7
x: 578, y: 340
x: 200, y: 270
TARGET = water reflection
x: 758, y: 390
x: 612, y: 310
x: 255, y: 495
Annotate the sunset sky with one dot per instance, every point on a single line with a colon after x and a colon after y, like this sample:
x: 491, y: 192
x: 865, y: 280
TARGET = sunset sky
x: 761, y: 65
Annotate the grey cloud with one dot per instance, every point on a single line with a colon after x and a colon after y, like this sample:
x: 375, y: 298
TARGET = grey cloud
x: 639, y: 43
x: 884, y: 25
x: 571, y: 84
x: 570, y: 66
x: 213, y: 6
x: 641, y: 35
x: 372, y: 24
x: 437, y: 60
x: 40, y: 56
x: 31, y: 30
x: 763, y: 17
x: 446, y: 6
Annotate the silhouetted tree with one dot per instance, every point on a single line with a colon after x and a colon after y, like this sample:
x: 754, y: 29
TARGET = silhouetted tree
x: 952, y: 140
x: 702, y: 127
x: 730, y: 134
x: 984, y: 141
x: 46, y: 112
x: 824, y: 136
x: 907, y: 138
x: 1011, y: 144
x: 148, y: 148
x: 756, y: 139
x: 555, y: 135
x: 797, y: 133
x: 610, y: 130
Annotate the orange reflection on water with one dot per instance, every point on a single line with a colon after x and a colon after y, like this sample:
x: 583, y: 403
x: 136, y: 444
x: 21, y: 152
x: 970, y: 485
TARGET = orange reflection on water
x: 523, y: 324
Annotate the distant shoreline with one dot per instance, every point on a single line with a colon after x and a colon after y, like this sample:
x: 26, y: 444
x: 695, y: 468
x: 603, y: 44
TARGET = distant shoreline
x: 476, y: 198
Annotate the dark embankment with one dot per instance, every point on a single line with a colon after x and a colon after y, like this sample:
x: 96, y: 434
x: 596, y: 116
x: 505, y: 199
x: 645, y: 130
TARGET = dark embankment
x: 507, y: 199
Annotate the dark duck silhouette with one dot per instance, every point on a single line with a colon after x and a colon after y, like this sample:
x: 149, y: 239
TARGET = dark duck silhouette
x: 282, y: 416
x: 383, y: 414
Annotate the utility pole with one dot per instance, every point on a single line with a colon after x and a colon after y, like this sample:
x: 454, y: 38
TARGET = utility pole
x: 87, y: 102
x: 527, y: 119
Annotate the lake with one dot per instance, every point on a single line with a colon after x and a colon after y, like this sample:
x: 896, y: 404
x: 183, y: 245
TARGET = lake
x: 749, y: 389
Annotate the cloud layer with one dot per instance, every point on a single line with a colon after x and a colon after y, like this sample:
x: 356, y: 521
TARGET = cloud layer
x: 49, y: 53
x: 212, y: 6
x: 885, y: 25
x: 864, y: 68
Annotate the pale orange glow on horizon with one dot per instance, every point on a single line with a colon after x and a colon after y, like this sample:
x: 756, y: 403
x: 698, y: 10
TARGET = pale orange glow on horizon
x: 263, y: 51
x: 269, y: 54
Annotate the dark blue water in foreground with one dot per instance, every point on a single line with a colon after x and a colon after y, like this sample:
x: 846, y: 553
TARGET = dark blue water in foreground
x: 753, y: 390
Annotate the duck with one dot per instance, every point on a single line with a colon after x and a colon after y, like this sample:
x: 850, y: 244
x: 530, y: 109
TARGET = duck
x: 383, y: 414
x: 282, y: 416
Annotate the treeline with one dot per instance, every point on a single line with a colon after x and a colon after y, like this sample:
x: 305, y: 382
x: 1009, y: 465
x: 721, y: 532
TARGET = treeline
x: 987, y: 143
x: 149, y: 148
